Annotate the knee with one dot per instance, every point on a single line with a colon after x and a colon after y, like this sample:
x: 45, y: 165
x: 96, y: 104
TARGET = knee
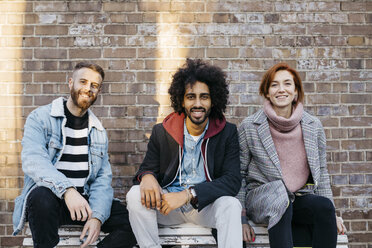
x: 42, y: 199
x: 133, y: 198
x: 229, y: 204
x: 324, y: 207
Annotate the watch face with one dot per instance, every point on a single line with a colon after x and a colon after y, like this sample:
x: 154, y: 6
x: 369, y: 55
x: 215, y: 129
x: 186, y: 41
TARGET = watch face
x: 193, y: 193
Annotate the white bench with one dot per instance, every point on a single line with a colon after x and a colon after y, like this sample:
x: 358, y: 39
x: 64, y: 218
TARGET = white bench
x: 183, y: 236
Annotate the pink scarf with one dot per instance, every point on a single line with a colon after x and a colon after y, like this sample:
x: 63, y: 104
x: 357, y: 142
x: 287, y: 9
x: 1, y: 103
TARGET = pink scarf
x: 289, y: 144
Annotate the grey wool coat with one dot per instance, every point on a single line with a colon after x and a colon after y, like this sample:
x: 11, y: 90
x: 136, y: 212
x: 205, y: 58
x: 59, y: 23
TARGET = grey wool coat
x: 263, y: 192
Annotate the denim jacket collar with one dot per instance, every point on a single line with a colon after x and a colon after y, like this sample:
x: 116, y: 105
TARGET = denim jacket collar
x: 58, y: 111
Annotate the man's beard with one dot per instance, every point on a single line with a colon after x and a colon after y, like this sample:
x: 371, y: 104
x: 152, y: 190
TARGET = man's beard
x: 199, y: 121
x: 85, y: 103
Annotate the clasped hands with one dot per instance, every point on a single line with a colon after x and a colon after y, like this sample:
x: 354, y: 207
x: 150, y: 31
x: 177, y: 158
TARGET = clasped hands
x: 80, y: 211
x: 152, y: 196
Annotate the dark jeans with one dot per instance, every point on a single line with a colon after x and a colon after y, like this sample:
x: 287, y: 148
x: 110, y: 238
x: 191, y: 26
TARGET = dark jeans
x: 46, y: 212
x: 315, y: 211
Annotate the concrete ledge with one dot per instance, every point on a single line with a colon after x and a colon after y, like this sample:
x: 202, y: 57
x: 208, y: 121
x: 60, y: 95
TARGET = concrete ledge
x: 183, y: 235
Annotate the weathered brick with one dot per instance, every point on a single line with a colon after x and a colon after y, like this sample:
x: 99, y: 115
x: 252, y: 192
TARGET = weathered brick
x: 120, y: 29
x: 356, y: 179
x: 222, y: 52
x: 119, y: 6
x: 323, y: 29
x: 220, y: 18
x: 355, y: 98
x: 84, y: 53
x: 50, y: 53
x: 203, y: 17
x: 271, y: 18
x: 187, y: 6
x: 322, y: 18
x: 324, y: 6
x: 356, y: 30
x: 339, y: 179
x: 358, y: 226
x: 50, y: 77
x: 353, y: 6
x: 351, y: 167
x: 290, y: 29
x: 11, y: 241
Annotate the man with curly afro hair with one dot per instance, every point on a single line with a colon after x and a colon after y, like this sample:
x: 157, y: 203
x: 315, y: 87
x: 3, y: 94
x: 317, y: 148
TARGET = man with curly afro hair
x: 191, y: 169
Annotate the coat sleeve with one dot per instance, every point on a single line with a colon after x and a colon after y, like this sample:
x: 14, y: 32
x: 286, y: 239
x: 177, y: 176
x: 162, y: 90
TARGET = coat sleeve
x: 229, y: 183
x: 324, y: 187
x: 151, y: 162
x: 245, y: 158
x: 36, y: 162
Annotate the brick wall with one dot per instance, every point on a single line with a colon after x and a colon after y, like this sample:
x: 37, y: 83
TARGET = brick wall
x: 141, y: 43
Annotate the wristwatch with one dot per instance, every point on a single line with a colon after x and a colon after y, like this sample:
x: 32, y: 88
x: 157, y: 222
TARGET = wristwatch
x: 194, y: 199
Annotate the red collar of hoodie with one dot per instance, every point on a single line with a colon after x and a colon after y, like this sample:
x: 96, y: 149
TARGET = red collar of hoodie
x: 173, y: 124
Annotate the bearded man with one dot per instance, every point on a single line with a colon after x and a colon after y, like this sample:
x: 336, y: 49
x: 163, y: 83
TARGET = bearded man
x: 191, y: 169
x: 67, y: 172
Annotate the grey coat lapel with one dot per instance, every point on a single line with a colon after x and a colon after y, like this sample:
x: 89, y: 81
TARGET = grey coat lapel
x: 309, y: 137
x: 266, y: 139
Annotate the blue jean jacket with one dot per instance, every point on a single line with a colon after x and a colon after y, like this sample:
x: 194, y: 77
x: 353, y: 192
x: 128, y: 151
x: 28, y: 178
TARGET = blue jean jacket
x: 43, y: 142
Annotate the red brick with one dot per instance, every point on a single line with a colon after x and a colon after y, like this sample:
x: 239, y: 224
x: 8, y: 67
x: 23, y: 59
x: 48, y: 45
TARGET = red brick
x: 356, y: 179
x: 360, y: 191
x: 120, y: 29
x: 323, y: 29
x: 356, y: 30
x: 356, y: 98
x: 220, y: 18
x: 119, y: 7
x: 84, y: 53
x: 50, y: 53
x: 117, y: 135
x: 11, y: 241
x: 119, y: 53
x: 50, y: 77
x: 353, y: 6
x: 290, y: 29
x: 119, y: 123
x: 358, y: 226
x: 51, y: 30
x: 121, y: 147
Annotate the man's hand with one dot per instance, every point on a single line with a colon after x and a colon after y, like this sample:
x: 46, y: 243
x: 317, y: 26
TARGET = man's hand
x: 77, y: 205
x: 150, y: 192
x: 92, y: 227
x: 248, y: 233
x: 171, y: 201
x: 341, y: 229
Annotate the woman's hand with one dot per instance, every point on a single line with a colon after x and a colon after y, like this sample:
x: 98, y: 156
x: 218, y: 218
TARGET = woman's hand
x: 248, y: 233
x: 341, y: 229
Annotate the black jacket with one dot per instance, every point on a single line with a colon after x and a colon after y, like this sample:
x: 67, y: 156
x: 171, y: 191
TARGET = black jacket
x: 220, y: 150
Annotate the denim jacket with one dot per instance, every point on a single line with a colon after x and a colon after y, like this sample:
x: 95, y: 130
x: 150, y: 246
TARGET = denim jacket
x: 43, y: 142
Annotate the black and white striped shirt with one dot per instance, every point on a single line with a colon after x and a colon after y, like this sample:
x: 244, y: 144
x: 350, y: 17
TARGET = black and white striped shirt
x: 74, y: 161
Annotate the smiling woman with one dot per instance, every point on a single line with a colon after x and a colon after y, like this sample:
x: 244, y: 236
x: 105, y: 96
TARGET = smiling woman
x: 284, y: 167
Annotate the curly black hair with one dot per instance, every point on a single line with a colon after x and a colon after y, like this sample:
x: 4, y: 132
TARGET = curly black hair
x: 197, y: 70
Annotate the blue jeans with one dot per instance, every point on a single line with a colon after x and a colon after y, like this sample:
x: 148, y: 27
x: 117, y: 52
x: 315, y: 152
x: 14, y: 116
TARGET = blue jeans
x: 315, y: 211
x: 46, y: 212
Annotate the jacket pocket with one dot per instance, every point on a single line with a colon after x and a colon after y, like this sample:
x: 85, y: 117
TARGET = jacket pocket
x: 97, y: 154
x: 54, y: 149
x: 266, y: 202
